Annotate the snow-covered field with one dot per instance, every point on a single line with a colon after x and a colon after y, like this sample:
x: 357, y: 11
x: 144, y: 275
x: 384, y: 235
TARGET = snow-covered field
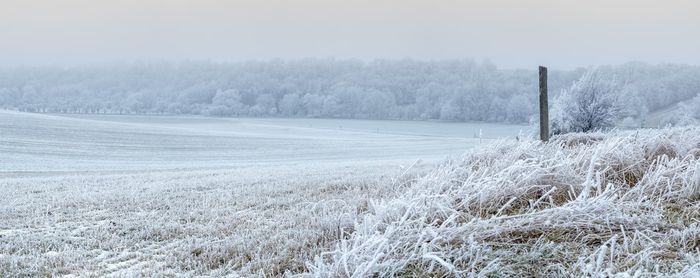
x: 128, y: 195
x: 34, y: 142
x: 148, y: 196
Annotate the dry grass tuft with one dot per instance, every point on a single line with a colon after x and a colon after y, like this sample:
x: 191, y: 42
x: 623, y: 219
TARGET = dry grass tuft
x: 574, y: 140
x: 621, y: 204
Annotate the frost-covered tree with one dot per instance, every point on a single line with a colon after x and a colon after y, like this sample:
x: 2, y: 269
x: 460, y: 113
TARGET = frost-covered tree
x: 519, y: 109
x: 375, y: 103
x: 313, y: 105
x: 589, y: 104
x: 450, y: 111
x: 460, y: 90
x: 7, y: 98
x: 331, y: 107
x: 634, y: 107
x: 227, y: 103
x: 264, y: 105
x: 290, y: 104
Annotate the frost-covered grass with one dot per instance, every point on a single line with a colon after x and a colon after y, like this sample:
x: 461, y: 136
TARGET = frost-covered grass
x: 621, y: 204
x: 249, y: 221
x: 132, y: 195
x: 197, y: 196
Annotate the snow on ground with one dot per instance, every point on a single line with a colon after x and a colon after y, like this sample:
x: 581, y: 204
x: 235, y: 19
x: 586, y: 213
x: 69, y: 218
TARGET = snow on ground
x: 32, y: 142
x: 128, y: 195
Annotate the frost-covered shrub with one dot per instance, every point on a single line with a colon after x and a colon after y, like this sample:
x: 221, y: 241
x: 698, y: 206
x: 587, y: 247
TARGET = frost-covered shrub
x: 590, y: 104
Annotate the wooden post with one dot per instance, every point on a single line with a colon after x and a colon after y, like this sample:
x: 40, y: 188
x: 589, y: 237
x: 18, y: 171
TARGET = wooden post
x: 544, y: 106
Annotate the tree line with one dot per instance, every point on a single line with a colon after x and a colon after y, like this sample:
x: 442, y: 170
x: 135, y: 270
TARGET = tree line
x: 456, y: 90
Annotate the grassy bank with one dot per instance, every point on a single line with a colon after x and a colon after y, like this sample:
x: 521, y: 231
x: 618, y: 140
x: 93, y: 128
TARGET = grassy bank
x: 620, y: 204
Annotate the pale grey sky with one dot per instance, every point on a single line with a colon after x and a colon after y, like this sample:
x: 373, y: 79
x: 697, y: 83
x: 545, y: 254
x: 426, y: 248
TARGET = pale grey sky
x: 511, y: 33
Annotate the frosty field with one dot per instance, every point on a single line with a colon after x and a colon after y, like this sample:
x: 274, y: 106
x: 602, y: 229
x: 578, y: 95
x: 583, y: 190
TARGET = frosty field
x: 194, y: 196
x: 32, y: 142
x: 129, y: 195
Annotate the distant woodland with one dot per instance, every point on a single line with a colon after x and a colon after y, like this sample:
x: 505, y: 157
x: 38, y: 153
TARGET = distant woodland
x: 458, y: 90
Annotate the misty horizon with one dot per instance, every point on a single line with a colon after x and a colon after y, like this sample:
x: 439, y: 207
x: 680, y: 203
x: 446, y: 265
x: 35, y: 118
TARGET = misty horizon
x: 176, y: 62
x: 512, y: 34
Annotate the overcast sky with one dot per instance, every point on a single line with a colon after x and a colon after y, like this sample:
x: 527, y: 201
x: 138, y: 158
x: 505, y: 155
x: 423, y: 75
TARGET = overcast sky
x: 511, y: 33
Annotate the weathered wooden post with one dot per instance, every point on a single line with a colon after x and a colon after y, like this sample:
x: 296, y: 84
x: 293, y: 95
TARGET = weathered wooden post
x: 544, y: 106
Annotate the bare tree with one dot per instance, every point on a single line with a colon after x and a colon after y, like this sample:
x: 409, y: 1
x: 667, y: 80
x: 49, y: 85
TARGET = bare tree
x: 590, y: 104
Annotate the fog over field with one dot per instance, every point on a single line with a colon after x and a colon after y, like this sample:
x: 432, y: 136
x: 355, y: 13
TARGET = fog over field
x: 351, y: 139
